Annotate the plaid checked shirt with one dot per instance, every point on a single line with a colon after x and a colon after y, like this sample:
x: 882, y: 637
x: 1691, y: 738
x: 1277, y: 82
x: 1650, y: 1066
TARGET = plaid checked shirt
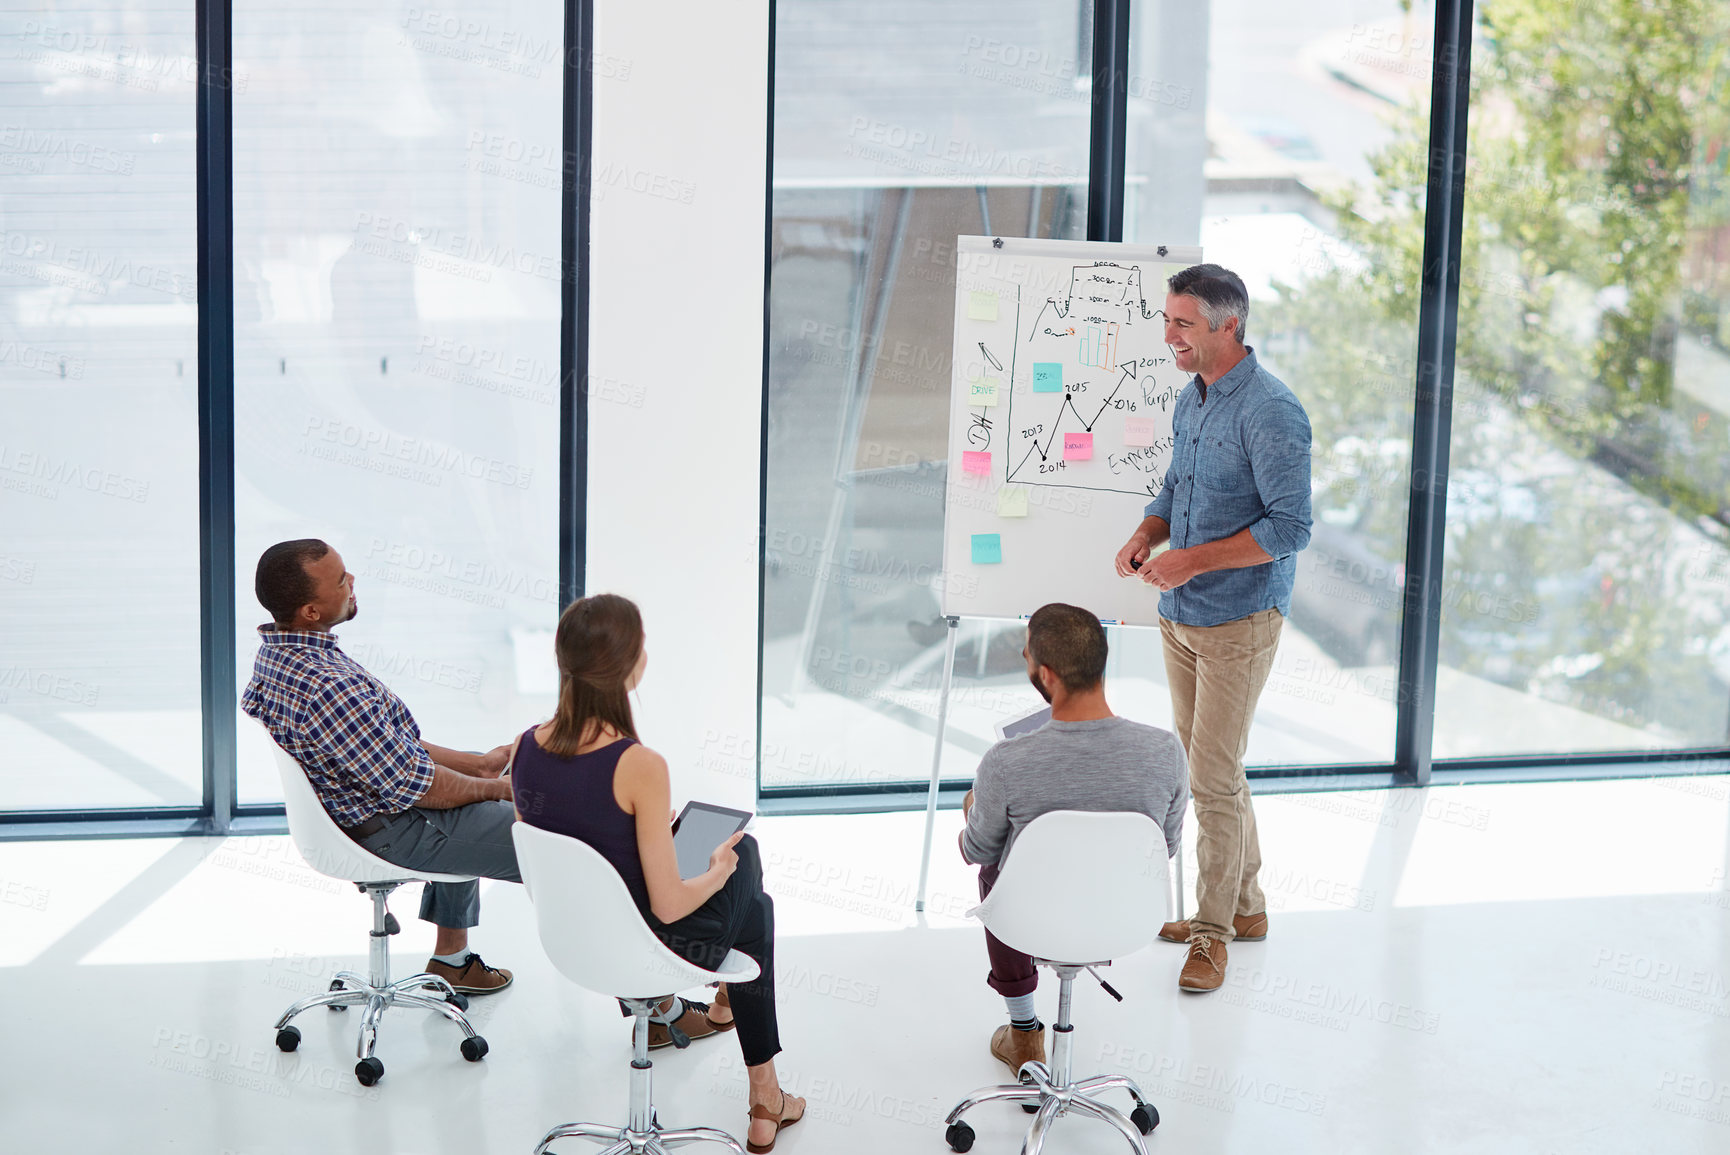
x: 358, y: 742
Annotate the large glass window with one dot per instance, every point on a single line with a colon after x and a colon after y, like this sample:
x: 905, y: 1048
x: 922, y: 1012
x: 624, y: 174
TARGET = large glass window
x: 1585, y: 592
x: 1270, y: 155
x: 99, y: 597
x: 397, y: 182
x: 397, y: 185
x: 1256, y: 130
x: 895, y: 130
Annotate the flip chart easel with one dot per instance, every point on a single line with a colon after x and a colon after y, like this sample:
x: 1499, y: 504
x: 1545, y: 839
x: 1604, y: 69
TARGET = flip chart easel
x: 1061, y: 394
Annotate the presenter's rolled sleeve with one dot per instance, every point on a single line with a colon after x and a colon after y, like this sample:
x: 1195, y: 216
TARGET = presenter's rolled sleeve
x: 1160, y: 506
x: 1279, y: 457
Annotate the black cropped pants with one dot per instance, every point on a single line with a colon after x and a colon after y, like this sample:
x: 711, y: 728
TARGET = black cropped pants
x: 741, y: 917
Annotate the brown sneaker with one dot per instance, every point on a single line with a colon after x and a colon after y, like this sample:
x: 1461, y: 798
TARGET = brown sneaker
x: 472, y: 978
x: 1204, y: 969
x: 1013, y: 1048
x: 1248, y: 928
x: 694, y: 1022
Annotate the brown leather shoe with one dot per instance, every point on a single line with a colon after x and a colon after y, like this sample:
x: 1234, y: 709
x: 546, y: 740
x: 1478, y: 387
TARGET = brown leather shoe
x: 1204, y: 969
x: 694, y: 1022
x: 1248, y: 928
x: 1013, y: 1048
x: 473, y: 977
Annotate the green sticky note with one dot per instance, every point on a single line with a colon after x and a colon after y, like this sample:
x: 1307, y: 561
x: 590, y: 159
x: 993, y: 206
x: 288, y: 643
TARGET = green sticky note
x: 982, y: 392
x: 987, y: 549
x: 1048, y: 376
x: 1012, y: 501
x: 981, y: 306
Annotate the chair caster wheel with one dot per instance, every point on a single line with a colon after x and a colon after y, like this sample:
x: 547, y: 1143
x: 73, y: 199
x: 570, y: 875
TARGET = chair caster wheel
x: 1145, y: 1117
x: 458, y: 1000
x: 288, y: 1038
x: 368, y: 1071
x: 336, y: 985
x: 474, y: 1048
x: 959, y: 1136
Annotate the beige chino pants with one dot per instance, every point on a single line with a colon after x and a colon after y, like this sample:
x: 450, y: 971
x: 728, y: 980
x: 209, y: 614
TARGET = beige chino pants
x: 1216, y: 675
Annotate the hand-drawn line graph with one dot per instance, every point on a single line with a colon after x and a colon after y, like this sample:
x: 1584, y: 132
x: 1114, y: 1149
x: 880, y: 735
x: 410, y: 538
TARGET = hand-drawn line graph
x: 1109, y: 345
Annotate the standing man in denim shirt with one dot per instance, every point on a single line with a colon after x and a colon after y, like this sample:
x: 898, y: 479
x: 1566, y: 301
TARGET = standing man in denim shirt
x: 1235, y: 507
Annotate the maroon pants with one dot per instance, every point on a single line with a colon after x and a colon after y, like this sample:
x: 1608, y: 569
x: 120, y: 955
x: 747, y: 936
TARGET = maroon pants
x: 1012, y: 973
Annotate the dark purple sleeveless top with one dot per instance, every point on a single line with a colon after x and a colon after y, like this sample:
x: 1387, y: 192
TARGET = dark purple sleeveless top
x: 573, y: 795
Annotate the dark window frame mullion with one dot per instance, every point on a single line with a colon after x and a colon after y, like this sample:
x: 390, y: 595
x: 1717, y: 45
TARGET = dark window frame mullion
x: 215, y: 225
x: 1108, y: 121
x: 1432, y: 416
x: 574, y: 201
x: 763, y: 418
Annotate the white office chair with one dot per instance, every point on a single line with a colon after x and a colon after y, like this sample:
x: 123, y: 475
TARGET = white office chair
x: 593, y: 932
x: 1079, y: 890
x: 331, y: 852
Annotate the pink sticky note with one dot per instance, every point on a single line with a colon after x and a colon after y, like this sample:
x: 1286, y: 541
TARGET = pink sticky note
x: 1140, y: 431
x: 975, y: 462
x: 1077, y: 446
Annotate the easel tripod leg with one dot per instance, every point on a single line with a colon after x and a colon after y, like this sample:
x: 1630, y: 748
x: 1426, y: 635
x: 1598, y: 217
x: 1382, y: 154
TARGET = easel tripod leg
x: 937, y: 759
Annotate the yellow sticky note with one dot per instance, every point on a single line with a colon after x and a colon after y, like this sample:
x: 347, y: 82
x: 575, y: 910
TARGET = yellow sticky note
x: 1012, y: 501
x: 982, y: 392
x: 981, y: 306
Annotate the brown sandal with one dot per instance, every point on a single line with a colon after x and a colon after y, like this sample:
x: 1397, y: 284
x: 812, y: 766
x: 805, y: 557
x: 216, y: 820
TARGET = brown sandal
x: 779, y: 1118
x: 721, y: 1001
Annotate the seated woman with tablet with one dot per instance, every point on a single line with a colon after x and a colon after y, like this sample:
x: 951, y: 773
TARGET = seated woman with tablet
x: 585, y: 774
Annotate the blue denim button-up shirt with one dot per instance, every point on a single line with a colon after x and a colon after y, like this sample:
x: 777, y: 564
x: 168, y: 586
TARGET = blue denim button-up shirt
x: 1241, y: 461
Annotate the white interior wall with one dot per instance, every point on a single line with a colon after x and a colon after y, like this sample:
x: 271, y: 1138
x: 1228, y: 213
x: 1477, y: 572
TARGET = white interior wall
x: 676, y: 366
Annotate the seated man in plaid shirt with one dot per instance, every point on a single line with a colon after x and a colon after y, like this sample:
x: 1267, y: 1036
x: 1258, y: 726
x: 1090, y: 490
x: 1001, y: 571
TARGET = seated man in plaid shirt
x: 404, y: 799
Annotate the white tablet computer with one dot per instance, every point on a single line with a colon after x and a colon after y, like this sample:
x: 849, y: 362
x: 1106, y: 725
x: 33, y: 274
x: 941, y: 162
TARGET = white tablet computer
x: 701, y: 827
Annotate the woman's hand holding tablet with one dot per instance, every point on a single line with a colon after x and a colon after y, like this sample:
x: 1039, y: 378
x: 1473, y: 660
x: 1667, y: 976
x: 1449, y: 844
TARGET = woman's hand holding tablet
x: 701, y: 831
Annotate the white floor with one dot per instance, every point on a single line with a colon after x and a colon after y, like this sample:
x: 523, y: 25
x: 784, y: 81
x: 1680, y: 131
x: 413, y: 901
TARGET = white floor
x: 1479, y: 969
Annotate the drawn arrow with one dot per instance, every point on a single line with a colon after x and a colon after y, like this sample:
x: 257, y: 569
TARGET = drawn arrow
x: 1128, y: 372
x: 994, y: 362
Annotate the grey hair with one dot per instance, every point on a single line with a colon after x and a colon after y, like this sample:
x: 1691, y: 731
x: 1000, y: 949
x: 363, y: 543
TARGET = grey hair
x: 1219, y: 293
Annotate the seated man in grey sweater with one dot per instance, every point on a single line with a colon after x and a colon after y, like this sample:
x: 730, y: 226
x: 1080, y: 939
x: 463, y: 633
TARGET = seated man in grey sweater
x: 1085, y: 758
